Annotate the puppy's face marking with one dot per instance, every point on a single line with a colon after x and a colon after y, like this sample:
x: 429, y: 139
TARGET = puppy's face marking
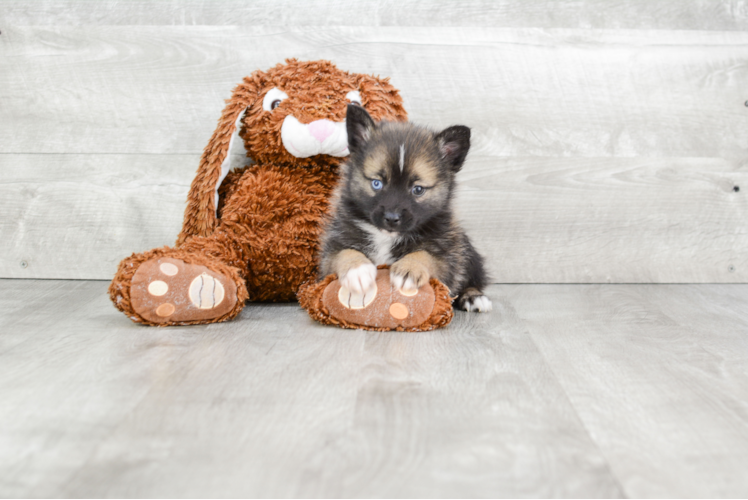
x: 401, y: 175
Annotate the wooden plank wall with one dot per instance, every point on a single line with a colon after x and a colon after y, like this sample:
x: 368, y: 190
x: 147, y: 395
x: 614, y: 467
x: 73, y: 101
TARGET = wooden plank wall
x: 610, y: 137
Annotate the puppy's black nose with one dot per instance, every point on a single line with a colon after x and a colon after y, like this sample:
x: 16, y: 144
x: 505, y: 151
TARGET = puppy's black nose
x: 391, y: 218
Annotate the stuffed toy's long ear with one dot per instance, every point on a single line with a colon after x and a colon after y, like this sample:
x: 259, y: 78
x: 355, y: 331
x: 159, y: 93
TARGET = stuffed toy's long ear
x: 381, y: 100
x: 200, y: 217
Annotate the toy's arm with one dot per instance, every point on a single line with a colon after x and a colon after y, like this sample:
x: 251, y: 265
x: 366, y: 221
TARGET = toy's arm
x: 200, y: 218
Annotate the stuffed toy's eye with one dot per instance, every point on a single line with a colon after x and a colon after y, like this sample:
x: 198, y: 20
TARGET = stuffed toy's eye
x: 354, y: 96
x: 418, y: 190
x: 273, y: 99
x: 376, y: 184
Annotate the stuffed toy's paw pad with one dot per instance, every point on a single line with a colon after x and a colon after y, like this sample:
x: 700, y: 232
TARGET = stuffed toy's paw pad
x: 381, y: 307
x: 167, y: 291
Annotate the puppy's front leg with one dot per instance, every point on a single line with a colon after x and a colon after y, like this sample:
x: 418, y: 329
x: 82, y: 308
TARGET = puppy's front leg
x: 354, y: 270
x: 413, y: 271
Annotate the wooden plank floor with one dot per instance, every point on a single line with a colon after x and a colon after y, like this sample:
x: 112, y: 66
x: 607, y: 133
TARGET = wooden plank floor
x: 563, y: 390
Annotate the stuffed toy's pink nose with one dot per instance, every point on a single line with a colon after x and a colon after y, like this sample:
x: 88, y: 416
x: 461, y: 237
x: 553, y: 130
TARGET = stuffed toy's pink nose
x: 321, y: 129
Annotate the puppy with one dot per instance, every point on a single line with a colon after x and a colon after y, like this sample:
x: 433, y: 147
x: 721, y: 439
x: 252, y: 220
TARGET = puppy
x: 394, y: 206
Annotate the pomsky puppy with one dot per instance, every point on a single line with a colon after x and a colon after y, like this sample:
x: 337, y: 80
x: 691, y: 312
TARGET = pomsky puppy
x: 393, y: 206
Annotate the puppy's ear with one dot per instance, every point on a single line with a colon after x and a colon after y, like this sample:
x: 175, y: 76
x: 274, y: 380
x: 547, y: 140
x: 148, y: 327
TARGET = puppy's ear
x: 359, y: 126
x: 454, y: 143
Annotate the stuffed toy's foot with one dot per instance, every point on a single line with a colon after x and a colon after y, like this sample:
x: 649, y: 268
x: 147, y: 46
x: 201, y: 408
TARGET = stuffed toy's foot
x: 166, y: 290
x: 381, y: 308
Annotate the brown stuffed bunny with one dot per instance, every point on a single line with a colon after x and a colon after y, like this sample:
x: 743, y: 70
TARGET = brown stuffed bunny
x: 253, y: 233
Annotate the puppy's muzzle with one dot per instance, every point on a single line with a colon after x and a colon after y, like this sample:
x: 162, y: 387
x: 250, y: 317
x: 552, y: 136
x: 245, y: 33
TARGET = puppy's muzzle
x: 392, y: 219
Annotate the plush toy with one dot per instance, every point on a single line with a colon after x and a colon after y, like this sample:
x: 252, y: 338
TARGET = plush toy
x: 382, y: 308
x: 253, y: 233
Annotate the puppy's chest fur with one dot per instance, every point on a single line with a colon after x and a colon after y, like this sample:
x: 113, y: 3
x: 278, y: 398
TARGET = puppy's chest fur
x: 381, y: 245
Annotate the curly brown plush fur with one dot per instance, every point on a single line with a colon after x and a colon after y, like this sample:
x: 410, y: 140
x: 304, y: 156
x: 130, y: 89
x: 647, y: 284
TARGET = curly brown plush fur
x: 264, y: 234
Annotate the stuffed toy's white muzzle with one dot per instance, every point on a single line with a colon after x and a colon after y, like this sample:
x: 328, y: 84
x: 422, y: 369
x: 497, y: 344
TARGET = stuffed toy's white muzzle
x: 320, y: 137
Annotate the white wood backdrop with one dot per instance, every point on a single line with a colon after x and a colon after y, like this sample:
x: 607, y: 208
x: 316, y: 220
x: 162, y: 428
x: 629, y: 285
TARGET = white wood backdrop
x: 610, y: 137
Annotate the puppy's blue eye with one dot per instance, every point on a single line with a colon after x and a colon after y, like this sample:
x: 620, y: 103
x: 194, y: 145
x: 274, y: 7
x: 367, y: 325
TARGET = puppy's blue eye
x: 418, y: 190
x: 376, y: 184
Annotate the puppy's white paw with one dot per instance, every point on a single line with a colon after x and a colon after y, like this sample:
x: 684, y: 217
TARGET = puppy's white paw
x: 403, y: 284
x: 360, y: 279
x: 475, y: 303
x: 410, y: 273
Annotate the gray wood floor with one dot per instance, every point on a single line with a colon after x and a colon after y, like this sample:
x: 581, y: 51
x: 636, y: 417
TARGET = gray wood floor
x: 563, y: 390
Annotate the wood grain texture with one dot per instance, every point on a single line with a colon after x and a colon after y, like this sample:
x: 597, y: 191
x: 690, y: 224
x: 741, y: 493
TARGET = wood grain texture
x: 598, y: 155
x: 159, y: 90
x: 273, y: 405
x: 535, y: 219
x: 609, y: 14
x: 657, y: 374
x: 77, y: 216
x: 603, y: 220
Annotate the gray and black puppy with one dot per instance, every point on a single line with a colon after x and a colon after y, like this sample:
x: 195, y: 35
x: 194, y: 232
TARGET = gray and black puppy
x: 394, y: 206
